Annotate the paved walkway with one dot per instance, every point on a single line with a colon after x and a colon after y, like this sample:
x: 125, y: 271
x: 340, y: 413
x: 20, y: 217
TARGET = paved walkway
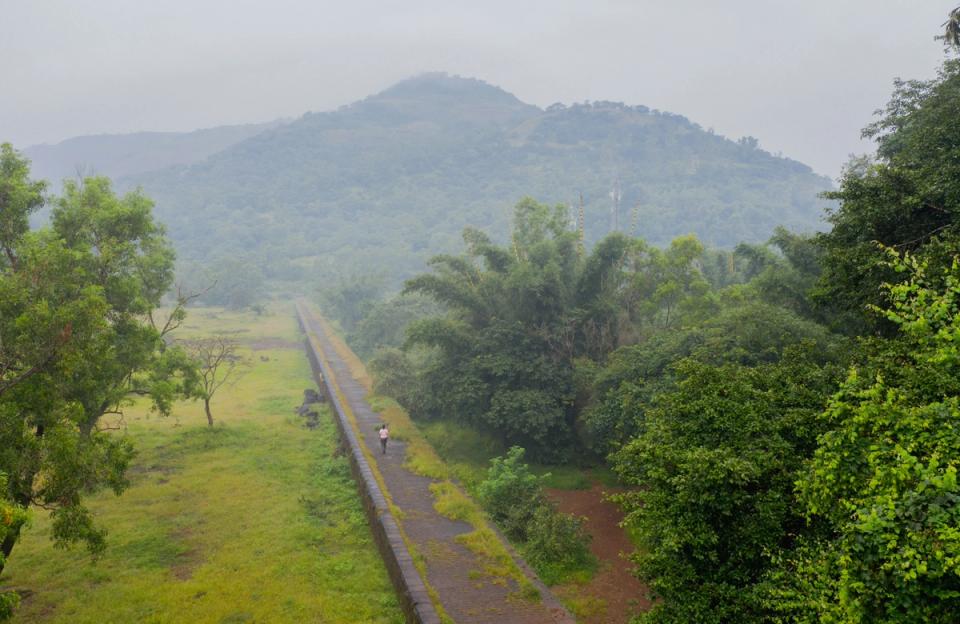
x: 467, y: 595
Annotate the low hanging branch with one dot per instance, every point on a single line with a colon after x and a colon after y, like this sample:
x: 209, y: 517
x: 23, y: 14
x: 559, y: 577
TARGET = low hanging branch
x: 218, y: 364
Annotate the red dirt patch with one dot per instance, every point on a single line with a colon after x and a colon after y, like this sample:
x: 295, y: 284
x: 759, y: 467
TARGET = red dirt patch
x: 614, y: 595
x: 188, y: 560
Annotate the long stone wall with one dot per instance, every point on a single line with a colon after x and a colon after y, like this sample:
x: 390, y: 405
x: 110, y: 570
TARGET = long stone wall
x: 407, y: 581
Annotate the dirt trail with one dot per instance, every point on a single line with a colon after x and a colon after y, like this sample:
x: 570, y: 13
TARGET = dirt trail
x: 621, y: 593
x: 467, y: 594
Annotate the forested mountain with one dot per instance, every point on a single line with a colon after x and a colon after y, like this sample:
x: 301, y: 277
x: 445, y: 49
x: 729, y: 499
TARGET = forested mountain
x: 390, y: 180
x: 117, y: 155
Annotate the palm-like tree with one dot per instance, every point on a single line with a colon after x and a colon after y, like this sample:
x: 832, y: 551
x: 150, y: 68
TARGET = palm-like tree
x: 951, y: 29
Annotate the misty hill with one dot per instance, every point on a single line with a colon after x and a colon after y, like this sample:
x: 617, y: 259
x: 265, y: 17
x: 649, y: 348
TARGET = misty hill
x: 390, y: 180
x: 118, y: 155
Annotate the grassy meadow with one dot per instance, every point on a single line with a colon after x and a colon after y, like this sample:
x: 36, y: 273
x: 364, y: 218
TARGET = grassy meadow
x: 254, y: 520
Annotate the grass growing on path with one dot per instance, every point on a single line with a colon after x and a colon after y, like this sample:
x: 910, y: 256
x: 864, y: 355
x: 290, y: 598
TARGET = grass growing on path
x: 254, y: 520
x: 358, y: 371
x: 497, y: 562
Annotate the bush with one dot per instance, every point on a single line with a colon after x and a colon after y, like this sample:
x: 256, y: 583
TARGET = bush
x: 557, y: 545
x: 511, y: 493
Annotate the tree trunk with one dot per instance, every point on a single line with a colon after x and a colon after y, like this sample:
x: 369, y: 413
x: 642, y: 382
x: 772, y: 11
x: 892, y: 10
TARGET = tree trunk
x: 206, y: 407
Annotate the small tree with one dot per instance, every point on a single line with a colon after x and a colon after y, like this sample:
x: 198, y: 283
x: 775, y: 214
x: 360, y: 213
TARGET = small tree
x: 218, y: 363
x: 554, y: 543
x: 511, y: 493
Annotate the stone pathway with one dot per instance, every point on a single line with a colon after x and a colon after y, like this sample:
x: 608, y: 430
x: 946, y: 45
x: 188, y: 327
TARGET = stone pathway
x: 467, y: 595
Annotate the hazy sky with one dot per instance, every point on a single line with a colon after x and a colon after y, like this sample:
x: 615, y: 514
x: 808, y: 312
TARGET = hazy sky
x: 803, y: 77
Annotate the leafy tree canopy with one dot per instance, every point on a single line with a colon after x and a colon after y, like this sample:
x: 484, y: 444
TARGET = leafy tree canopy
x: 78, y: 338
x: 885, y: 474
x: 517, y: 317
x: 715, y: 464
x: 909, y: 198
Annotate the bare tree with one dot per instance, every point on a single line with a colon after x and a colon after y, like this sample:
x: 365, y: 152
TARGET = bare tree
x: 218, y: 363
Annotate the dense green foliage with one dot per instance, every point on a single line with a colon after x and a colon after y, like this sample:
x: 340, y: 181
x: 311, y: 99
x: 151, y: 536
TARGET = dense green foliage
x: 884, y: 478
x: 744, y: 332
x: 78, y: 338
x: 909, y: 198
x: 765, y: 488
x: 516, y: 353
x: 764, y: 497
x: 385, y: 183
x: 553, y: 543
x: 503, y: 358
x: 786, y: 415
x: 12, y: 517
x: 511, y: 493
x: 717, y: 458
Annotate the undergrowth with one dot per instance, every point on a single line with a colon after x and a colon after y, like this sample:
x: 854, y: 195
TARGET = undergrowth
x: 554, y: 543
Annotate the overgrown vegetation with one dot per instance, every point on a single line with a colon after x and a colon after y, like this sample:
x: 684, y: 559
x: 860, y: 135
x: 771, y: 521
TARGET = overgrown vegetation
x: 12, y: 518
x: 530, y: 348
x: 883, y: 479
x: 553, y: 543
x: 764, y: 486
x: 766, y: 497
x: 785, y: 416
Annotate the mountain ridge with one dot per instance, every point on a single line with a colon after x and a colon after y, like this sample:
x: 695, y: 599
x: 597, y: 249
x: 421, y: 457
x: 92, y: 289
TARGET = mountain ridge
x: 121, y: 154
x: 387, y: 181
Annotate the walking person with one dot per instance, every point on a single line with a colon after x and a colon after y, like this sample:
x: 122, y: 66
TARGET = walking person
x: 384, y: 436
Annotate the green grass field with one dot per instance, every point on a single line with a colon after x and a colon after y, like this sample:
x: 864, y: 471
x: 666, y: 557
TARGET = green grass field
x: 254, y: 520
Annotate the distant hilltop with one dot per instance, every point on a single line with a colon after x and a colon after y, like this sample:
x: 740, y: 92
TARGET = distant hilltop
x: 119, y: 155
x: 394, y: 178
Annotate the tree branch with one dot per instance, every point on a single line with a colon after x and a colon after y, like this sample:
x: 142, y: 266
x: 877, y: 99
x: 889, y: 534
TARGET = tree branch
x: 62, y: 339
